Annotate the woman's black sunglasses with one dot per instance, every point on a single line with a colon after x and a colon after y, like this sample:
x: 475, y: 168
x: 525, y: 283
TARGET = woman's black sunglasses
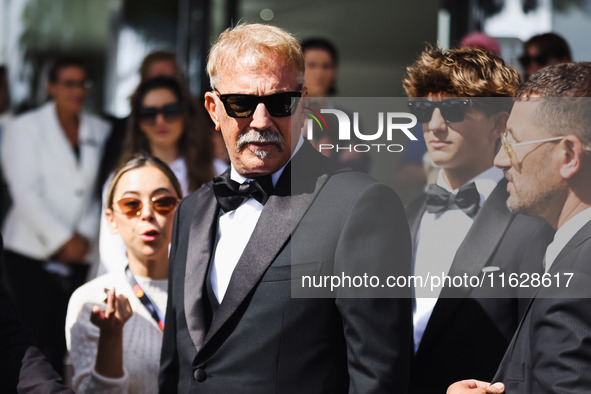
x: 171, y: 113
x: 244, y: 105
x: 540, y: 60
x: 453, y: 110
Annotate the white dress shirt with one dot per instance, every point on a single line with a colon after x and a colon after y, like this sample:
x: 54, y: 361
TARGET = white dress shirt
x: 438, y: 238
x: 234, y: 231
x: 565, y: 234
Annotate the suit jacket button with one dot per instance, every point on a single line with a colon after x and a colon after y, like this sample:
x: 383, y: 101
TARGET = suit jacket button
x: 199, y: 375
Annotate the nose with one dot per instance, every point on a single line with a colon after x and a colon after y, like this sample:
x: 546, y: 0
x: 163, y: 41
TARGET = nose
x: 502, y: 160
x: 146, y: 213
x: 261, y: 118
x: 159, y: 118
x: 437, y: 123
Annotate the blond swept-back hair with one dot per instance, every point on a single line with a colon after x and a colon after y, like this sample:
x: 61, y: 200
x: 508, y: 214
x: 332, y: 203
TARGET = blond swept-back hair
x: 464, y: 72
x: 267, y: 44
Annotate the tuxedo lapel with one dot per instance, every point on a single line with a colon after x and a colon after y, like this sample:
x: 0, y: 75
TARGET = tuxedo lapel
x: 474, y: 253
x: 557, y: 266
x: 414, y: 214
x: 484, y: 235
x: 200, y: 246
x: 282, y: 212
x: 580, y: 236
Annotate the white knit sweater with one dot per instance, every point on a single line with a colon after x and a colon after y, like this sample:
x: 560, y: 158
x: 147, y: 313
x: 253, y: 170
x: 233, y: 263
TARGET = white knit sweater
x: 142, y: 338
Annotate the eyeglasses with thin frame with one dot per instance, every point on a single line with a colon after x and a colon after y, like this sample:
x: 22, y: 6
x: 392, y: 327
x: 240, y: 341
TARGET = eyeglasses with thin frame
x: 278, y: 104
x: 511, y: 152
x: 452, y: 110
x: 132, y: 206
x: 170, y: 112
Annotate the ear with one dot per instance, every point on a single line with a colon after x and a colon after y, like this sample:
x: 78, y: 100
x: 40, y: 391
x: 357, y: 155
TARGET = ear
x: 111, y: 221
x: 211, y: 107
x: 499, y: 124
x: 572, y: 151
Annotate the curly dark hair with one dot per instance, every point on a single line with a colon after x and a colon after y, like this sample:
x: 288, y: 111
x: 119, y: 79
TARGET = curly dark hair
x: 195, y: 144
x: 465, y: 72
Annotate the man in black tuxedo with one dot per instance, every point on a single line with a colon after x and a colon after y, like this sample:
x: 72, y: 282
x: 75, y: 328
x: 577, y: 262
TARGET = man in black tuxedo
x: 461, y: 225
x: 546, y: 160
x: 232, y: 325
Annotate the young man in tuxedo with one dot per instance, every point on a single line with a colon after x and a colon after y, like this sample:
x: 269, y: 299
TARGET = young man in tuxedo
x: 546, y: 161
x: 461, y: 225
x: 232, y: 324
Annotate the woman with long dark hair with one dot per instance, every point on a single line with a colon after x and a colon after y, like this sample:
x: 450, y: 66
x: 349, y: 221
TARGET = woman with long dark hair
x: 165, y: 123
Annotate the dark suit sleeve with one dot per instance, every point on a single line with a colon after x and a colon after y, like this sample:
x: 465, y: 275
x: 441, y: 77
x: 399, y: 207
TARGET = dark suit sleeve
x: 22, y: 364
x: 376, y: 240
x: 560, y: 342
x: 168, y: 376
x: 532, y: 262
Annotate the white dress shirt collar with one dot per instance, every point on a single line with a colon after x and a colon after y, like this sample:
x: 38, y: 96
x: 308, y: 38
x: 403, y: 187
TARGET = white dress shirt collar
x: 565, y: 234
x: 485, y: 182
x: 235, y: 176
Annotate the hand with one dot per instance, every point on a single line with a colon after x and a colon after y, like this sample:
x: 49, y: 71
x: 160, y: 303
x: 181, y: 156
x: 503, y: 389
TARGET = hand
x: 74, y: 250
x: 115, y: 316
x: 475, y: 386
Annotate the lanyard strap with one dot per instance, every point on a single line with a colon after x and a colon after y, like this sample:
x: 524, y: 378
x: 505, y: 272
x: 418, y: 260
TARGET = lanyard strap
x: 145, y: 299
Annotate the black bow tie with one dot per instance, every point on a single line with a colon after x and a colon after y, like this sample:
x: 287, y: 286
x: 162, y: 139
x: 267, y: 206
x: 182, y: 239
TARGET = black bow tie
x: 467, y: 199
x: 231, y: 194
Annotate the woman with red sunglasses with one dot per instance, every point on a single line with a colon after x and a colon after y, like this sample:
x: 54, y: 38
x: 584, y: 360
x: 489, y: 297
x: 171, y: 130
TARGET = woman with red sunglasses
x: 112, y: 348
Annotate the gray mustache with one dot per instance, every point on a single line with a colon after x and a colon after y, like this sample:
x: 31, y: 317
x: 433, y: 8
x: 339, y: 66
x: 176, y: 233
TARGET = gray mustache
x: 266, y: 136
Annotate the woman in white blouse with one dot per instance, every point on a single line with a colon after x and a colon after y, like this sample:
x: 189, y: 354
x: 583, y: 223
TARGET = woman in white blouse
x: 50, y: 158
x: 112, y: 349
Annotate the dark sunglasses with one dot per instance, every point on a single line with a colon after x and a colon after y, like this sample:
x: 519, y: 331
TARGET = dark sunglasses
x: 244, y: 105
x: 72, y: 84
x: 132, y: 206
x: 171, y: 113
x: 453, y: 110
x: 540, y: 60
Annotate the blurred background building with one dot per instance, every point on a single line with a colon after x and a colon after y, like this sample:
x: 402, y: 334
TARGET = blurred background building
x: 376, y: 39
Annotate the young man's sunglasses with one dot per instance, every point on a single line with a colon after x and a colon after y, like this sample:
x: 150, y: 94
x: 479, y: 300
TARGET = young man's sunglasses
x: 132, y: 206
x: 453, y: 110
x: 244, y: 105
x: 170, y: 112
x: 540, y: 60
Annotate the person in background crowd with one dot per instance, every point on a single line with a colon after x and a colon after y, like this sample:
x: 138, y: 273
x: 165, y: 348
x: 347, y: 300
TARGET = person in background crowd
x: 482, y: 41
x: 461, y: 225
x: 155, y: 64
x: 544, y: 50
x: 546, y: 160
x: 232, y: 325
x: 50, y: 158
x: 24, y: 367
x: 321, y: 61
x: 159, y: 64
x: 113, y: 350
x: 164, y: 123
